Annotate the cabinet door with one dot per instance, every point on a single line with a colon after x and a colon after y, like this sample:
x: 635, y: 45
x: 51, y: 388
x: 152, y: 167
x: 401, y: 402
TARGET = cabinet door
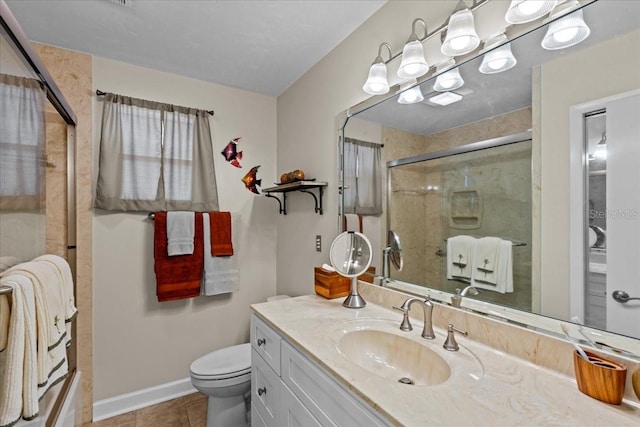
x: 294, y: 414
x: 266, y: 391
x: 256, y: 419
x: 327, y: 400
x: 266, y: 342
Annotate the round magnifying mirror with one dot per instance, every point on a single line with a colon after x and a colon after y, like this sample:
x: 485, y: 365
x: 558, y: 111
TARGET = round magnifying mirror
x: 350, y: 255
x: 395, y: 250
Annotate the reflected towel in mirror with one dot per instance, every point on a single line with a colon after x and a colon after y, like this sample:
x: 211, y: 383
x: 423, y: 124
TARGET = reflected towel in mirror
x: 501, y: 275
x: 460, y: 256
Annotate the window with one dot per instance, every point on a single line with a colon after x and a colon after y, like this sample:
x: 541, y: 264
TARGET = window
x: 21, y: 143
x: 155, y: 157
x: 362, y: 177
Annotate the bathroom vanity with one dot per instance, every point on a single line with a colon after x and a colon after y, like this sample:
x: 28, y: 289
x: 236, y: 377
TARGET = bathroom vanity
x: 312, y: 365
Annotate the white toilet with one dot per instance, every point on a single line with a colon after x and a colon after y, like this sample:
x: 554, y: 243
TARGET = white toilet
x: 225, y: 376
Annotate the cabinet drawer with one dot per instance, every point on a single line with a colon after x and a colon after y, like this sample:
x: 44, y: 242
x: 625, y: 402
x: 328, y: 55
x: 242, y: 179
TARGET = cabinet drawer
x: 266, y: 342
x: 327, y: 401
x: 266, y: 389
x: 294, y: 414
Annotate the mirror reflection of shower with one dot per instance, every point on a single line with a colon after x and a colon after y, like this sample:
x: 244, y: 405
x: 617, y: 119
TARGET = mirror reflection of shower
x: 483, y: 190
x: 595, y: 250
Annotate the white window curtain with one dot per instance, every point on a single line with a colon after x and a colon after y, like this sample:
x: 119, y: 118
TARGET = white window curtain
x: 362, y: 177
x: 22, y: 142
x: 155, y: 157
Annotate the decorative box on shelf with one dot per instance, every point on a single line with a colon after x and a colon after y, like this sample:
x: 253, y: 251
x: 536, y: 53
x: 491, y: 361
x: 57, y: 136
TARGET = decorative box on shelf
x: 330, y: 284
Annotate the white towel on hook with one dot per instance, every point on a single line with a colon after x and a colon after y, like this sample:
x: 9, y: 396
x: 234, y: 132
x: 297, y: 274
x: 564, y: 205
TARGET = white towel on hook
x: 19, y: 385
x: 460, y: 251
x: 67, y: 282
x: 221, y: 274
x: 181, y: 227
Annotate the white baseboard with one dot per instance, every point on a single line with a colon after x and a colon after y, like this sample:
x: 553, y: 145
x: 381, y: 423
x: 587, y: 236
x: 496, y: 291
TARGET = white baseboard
x: 127, y: 402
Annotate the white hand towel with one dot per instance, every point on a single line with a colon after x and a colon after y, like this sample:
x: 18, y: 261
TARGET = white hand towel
x: 505, y: 279
x: 486, y: 259
x: 460, y: 251
x: 221, y: 274
x: 502, y: 273
x: 181, y: 227
x: 50, y: 325
x: 19, y: 388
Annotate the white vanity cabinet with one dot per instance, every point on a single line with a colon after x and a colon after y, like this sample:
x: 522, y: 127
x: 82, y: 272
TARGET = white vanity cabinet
x: 289, y: 389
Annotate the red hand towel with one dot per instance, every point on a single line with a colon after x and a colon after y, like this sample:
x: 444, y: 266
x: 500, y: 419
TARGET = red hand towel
x: 177, y: 277
x: 220, y: 226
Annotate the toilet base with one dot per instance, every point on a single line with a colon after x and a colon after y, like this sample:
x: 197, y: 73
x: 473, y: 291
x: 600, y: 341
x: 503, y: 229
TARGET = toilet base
x: 229, y: 411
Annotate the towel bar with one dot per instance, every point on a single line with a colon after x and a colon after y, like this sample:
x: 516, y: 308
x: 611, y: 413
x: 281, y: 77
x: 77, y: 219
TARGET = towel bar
x: 5, y: 290
x: 513, y: 242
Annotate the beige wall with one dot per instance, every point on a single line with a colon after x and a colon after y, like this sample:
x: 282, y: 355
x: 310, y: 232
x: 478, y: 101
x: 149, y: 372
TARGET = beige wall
x: 605, y: 69
x: 139, y: 342
x: 307, y: 130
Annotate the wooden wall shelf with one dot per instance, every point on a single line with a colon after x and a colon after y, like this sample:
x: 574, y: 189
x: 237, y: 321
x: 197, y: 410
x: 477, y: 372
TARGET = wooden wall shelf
x: 303, y: 187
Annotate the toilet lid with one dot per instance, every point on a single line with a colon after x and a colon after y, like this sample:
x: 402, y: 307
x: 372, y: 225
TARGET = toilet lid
x: 226, y: 362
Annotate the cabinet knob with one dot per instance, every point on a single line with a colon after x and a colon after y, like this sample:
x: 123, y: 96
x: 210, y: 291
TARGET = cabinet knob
x: 261, y: 391
x: 261, y: 342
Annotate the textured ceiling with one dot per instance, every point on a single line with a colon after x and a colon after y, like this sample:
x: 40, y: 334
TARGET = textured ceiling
x: 258, y: 45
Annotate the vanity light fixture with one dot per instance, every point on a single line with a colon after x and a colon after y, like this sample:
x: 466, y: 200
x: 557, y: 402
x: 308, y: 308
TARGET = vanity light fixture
x: 497, y: 60
x: 461, y: 37
x: 569, y: 30
x: 522, y: 11
x: 445, y: 98
x: 377, y: 83
x: 450, y: 80
x: 412, y: 95
x: 413, y: 63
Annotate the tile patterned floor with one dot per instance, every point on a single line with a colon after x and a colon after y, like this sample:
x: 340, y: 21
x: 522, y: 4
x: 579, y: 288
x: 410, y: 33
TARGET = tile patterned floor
x: 187, y: 411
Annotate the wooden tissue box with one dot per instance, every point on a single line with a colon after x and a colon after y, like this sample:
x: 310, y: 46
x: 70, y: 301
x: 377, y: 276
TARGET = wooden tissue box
x: 330, y: 284
x: 600, y: 378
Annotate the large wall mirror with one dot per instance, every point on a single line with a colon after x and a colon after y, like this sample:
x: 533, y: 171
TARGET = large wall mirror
x: 544, y: 156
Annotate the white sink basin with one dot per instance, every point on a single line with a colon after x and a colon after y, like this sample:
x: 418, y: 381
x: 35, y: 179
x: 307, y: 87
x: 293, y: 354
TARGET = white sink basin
x: 394, y: 357
x: 378, y: 346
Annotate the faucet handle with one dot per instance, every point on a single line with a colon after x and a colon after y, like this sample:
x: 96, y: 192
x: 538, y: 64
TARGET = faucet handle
x: 406, y: 324
x: 450, y: 343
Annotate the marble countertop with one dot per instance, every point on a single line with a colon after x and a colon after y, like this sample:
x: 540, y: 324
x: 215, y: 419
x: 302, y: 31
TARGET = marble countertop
x: 504, y: 391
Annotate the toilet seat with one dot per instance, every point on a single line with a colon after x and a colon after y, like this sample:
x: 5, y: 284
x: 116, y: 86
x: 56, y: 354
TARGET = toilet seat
x: 226, y: 363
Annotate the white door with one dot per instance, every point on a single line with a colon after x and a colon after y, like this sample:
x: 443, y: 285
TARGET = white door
x: 623, y: 214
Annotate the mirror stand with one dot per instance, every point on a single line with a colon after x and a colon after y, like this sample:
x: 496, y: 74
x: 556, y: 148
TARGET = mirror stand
x: 350, y: 255
x: 354, y: 300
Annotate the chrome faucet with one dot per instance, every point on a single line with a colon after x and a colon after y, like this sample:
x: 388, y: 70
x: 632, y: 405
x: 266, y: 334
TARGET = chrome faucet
x: 427, y: 308
x: 457, y: 298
